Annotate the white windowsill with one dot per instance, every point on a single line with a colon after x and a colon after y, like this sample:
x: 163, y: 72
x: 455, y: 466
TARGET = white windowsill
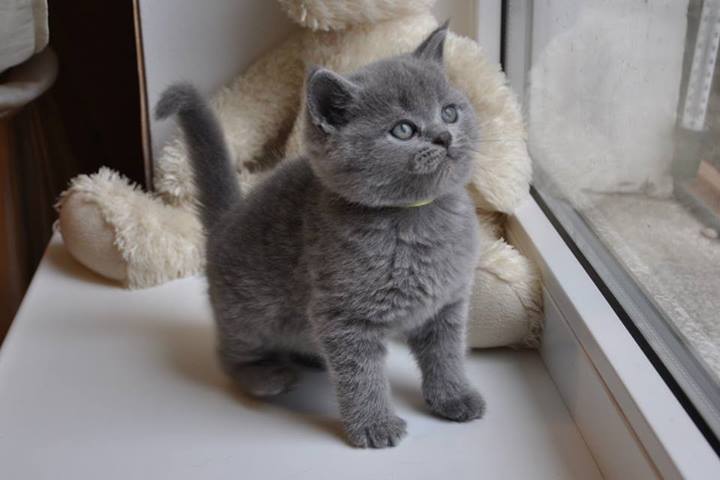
x: 97, y: 380
x: 101, y: 382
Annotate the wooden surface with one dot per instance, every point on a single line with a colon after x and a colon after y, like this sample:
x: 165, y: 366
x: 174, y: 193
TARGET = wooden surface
x: 89, y: 118
x: 706, y: 186
x: 97, y: 91
x: 34, y: 169
x: 13, y: 272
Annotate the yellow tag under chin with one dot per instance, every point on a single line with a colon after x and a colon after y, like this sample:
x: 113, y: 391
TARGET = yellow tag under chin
x: 421, y: 203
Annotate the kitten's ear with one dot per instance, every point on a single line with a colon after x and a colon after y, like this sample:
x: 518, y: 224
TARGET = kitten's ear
x: 432, y: 47
x: 329, y: 96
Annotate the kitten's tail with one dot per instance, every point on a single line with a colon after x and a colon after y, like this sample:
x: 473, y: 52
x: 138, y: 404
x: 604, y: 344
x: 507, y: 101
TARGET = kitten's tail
x: 212, y: 169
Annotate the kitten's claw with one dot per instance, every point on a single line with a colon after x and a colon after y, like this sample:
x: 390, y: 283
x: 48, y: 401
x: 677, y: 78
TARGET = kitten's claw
x: 379, y: 434
x: 462, y: 408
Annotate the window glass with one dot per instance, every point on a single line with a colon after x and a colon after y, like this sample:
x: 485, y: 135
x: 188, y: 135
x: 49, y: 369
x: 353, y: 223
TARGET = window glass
x: 622, y: 102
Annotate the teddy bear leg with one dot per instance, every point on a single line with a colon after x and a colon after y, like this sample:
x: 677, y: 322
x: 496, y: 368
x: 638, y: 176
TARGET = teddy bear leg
x: 124, y: 234
x: 506, y: 302
x: 90, y: 239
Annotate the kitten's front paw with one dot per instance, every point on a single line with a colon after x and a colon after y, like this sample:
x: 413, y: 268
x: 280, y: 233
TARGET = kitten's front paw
x: 378, y: 434
x: 464, y: 407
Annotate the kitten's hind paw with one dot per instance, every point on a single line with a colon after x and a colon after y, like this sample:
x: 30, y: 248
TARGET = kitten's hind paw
x: 378, y: 434
x: 461, y: 408
x: 308, y: 360
x: 277, y: 380
x: 261, y: 380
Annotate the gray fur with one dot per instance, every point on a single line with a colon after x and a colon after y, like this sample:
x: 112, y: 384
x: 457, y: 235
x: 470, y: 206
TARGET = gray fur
x: 216, y: 186
x: 325, y: 259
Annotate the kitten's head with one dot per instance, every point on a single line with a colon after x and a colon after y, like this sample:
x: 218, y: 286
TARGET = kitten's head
x: 394, y: 133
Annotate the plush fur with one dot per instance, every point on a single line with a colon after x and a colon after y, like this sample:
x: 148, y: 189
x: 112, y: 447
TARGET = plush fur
x: 341, y: 14
x: 259, y: 114
x: 155, y: 242
x: 326, y: 258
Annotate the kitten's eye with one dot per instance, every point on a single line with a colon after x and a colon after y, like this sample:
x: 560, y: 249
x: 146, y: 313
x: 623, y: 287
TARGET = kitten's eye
x: 403, y: 130
x: 449, y: 114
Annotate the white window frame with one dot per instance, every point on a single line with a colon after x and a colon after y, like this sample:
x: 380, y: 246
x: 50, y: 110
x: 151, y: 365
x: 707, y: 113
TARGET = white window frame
x: 626, y: 413
x: 629, y: 417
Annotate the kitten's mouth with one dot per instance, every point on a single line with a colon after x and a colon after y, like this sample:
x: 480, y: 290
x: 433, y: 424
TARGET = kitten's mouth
x: 427, y: 161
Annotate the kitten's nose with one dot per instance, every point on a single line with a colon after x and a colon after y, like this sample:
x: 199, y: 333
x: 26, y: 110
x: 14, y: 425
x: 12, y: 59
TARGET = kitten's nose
x: 443, y: 139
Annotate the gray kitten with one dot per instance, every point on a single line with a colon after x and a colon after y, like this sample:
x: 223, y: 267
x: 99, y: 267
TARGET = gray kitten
x: 370, y: 234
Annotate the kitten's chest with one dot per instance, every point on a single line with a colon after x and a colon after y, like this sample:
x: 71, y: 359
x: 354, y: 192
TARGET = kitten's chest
x: 399, y: 270
x: 421, y: 261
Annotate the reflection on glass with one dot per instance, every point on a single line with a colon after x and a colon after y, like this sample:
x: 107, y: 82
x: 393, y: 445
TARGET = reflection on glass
x: 623, y: 109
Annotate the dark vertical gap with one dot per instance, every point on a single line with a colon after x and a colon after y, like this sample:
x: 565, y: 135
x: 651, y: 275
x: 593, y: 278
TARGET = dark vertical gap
x: 144, y: 126
x: 503, y: 32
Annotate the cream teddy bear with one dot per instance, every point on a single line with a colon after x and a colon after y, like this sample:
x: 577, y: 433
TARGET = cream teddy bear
x: 143, y: 239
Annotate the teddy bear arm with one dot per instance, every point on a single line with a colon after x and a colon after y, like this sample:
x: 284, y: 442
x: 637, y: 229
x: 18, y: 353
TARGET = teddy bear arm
x: 503, y: 168
x: 256, y: 111
x: 506, y: 303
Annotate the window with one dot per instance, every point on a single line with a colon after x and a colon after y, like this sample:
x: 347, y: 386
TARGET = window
x: 622, y: 104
